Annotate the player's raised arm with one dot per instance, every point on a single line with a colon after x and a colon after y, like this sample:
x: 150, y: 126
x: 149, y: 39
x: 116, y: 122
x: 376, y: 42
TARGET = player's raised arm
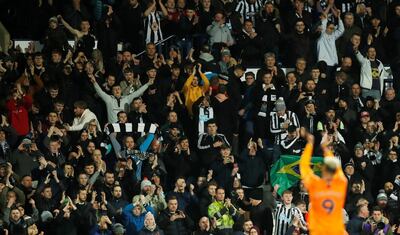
x: 305, y: 168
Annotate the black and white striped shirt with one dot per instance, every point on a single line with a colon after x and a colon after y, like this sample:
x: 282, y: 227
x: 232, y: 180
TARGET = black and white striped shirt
x: 283, y: 216
x: 205, y: 114
x: 247, y: 10
x: 152, y: 25
x: 345, y: 6
x: 277, y: 122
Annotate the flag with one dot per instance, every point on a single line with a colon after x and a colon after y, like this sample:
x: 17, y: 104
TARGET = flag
x: 286, y: 171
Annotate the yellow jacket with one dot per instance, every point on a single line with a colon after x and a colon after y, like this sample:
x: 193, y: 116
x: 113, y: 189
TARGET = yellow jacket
x: 193, y: 93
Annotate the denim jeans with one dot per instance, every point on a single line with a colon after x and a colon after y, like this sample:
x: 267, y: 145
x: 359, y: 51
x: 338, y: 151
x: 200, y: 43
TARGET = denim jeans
x: 185, y: 45
x: 376, y: 94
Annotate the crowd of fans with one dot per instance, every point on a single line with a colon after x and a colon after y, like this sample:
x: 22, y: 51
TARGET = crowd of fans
x: 180, y: 138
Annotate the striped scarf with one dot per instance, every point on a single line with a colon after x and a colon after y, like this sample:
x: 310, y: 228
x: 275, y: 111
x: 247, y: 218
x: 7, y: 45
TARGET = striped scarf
x: 130, y: 127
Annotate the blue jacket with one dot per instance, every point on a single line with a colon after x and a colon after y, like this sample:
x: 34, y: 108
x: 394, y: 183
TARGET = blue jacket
x: 132, y: 223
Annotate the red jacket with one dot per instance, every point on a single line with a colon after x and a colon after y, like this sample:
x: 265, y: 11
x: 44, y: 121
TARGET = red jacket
x: 18, y: 114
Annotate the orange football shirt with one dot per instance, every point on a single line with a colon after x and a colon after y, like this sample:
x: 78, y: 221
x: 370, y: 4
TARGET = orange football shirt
x: 327, y: 200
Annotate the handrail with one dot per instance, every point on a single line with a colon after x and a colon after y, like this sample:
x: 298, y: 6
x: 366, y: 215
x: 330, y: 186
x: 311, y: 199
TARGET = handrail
x: 157, y: 43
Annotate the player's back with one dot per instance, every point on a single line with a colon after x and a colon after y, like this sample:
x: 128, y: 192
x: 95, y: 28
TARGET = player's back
x: 327, y: 201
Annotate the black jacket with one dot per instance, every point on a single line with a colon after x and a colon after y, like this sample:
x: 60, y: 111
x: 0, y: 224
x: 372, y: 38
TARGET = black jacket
x: 250, y: 49
x: 265, y: 26
x: 252, y: 168
x: 223, y: 173
x: 226, y: 117
x: 208, y: 152
x: 178, y: 226
x: 133, y: 25
x: 354, y: 227
x: 156, y: 231
x: 18, y: 227
x: 108, y: 36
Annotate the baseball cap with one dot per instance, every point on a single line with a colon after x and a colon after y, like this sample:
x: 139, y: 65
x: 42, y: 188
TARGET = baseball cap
x: 225, y: 52
x: 53, y: 19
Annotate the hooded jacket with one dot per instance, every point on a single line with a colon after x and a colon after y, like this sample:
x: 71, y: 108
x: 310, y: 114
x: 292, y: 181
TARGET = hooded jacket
x: 18, y: 114
x: 132, y: 223
x: 326, y: 45
x: 192, y: 93
x: 366, y: 73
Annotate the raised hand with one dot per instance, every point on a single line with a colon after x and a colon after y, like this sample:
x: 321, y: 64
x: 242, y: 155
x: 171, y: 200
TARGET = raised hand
x: 92, y: 78
x: 151, y: 81
x: 199, y: 67
x: 47, y: 179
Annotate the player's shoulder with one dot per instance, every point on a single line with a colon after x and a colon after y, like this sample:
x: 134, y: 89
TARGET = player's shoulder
x: 313, y: 180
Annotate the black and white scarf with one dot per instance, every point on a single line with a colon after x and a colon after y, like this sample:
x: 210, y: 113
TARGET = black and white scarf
x: 131, y: 127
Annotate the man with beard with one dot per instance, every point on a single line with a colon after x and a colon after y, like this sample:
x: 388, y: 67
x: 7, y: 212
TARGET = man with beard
x: 204, y: 227
x: 117, y: 203
x: 393, y: 199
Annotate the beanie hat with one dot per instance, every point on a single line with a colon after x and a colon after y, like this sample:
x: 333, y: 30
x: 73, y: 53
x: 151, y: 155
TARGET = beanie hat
x: 280, y: 105
x: 381, y: 196
x: 359, y: 146
x: 256, y: 194
x: 46, y: 216
x: 29, y: 221
x: 145, y: 182
x: 118, y: 229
